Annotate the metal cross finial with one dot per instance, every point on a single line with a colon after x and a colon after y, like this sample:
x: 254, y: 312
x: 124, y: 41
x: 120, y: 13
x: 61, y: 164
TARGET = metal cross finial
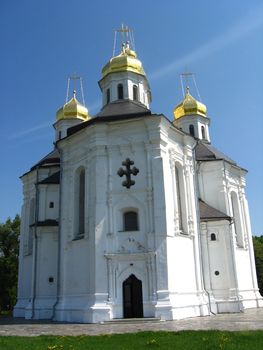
x: 127, y: 38
x: 74, y: 78
x: 123, y: 30
x: 128, y: 172
x: 185, y: 76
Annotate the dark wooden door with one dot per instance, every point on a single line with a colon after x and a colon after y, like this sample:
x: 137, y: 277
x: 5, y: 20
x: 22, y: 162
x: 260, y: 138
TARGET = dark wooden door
x: 132, y: 298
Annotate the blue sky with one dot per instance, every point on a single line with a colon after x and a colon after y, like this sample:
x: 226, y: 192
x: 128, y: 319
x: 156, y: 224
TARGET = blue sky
x: 43, y: 42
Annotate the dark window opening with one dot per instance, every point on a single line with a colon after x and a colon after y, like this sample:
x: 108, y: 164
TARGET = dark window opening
x: 216, y: 273
x: 51, y: 279
x: 213, y: 237
x: 108, y: 95
x: 59, y: 135
x: 203, y: 132
x: 120, y: 92
x: 135, y: 92
x: 51, y: 204
x: 130, y: 221
x: 178, y: 198
x: 191, y: 130
x: 81, y: 202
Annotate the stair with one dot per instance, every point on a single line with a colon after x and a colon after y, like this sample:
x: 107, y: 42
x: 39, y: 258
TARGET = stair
x: 131, y: 320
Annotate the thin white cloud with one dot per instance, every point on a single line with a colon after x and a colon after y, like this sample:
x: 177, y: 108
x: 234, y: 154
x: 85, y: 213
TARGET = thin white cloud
x: 29, y: 131
x: 244, y: 27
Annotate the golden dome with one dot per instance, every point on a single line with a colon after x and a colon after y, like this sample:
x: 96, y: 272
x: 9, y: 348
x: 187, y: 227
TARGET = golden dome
x: 73, y: 109
x: 126, y: 61
x: 189, y: 106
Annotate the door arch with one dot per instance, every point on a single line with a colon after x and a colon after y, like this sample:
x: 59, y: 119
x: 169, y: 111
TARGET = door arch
x: 132, y: 297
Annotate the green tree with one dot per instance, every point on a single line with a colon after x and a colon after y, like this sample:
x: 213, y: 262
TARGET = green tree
x: 258, y: 248
x: 9, y: 249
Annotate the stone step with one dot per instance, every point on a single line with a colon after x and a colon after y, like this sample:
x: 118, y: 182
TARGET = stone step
x: 132, y: 320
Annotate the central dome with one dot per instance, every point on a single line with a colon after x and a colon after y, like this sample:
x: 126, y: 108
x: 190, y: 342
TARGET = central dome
x: 126, y: 61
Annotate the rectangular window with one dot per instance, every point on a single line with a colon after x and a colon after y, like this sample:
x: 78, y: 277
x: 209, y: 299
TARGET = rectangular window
x: 130, y: 221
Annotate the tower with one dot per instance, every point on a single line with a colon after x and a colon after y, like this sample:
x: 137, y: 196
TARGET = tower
x: 123, y: 78
x: 190, y: 116
x: 70, y: 114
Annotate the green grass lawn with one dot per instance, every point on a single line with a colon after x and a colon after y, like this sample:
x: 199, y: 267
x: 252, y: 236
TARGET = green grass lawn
x: 194, y: 340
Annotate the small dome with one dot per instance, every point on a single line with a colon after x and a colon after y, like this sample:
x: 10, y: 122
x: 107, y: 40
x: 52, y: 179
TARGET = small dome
x: 189, y: 106
x: 73, y: 109
x: 126, y: 61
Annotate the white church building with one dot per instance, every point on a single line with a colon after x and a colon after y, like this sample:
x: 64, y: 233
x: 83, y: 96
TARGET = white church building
x: 133, y: 215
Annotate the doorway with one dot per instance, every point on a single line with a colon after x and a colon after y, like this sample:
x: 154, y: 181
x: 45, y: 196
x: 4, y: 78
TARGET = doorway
x: 132, y: 298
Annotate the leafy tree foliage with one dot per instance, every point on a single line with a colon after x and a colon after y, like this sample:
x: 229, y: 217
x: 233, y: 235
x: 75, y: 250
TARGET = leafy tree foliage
x: 258, y: 248
x: 9, y: 249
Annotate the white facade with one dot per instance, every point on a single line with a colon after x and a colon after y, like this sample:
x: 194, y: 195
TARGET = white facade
x: 79, y: 258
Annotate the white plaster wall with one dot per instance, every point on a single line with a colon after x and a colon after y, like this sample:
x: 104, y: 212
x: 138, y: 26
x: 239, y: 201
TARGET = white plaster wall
x: 128, y: 79
x: 63, y: 125
x: 197, y: 121
x: 220, y: 259
x: 47, y: 194
x: 244, y: 276
x: 181, y: 265
x: 47, y: 261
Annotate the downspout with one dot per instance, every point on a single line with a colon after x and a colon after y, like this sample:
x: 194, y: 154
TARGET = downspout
x: 199, y: 233
x: 36, y: 245
x: 59, y: 241
x: 233, y: 254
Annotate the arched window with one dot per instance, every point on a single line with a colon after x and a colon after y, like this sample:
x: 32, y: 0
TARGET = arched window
x: 192, y: 130
x: 130, y: 221
x: 213, y: 237
x: 203, y: 132
x: 120, y: 92
x: 180, y: 199
x: 80, y: 202
x: 108, y: 95
x: 135, y: 92
x: 237, y: 219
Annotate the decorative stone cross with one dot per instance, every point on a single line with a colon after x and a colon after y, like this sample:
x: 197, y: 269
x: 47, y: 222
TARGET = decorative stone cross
x: 128, y: 172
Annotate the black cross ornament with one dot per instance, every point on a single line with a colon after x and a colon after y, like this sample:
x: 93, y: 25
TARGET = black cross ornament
x: 128, y: 172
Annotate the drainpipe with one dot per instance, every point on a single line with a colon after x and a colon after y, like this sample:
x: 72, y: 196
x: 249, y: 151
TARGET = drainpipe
x: 59, y: 241
x: 36, y: 245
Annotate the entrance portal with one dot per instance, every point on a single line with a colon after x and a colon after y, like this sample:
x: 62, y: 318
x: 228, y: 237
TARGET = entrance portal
x: 132, y: 298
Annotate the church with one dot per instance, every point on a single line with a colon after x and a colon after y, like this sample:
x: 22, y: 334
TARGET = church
x: 132, y: 215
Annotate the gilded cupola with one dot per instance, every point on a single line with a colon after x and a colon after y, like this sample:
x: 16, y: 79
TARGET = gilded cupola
x: 123, y: 77
x: 189, y: 106
x: 126, y: 61
x: 73, y: 109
